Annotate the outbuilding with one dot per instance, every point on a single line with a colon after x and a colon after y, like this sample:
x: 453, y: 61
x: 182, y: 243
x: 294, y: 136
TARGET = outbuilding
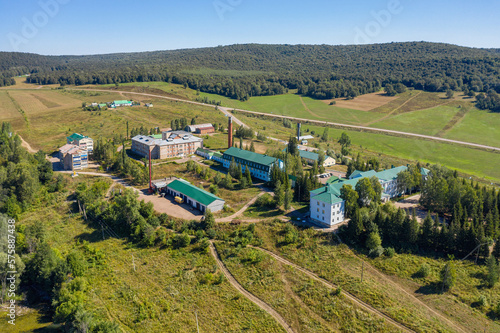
x: 194, y: 196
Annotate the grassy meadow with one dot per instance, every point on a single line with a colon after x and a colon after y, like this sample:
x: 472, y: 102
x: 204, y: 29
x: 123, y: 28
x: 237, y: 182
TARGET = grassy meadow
x: 161, y: 294
x: 394, y: 292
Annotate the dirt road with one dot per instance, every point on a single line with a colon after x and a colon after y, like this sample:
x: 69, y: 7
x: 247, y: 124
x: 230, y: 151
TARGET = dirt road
x: 371, y: 129
x: 351, y: 297
x: 260, y: 303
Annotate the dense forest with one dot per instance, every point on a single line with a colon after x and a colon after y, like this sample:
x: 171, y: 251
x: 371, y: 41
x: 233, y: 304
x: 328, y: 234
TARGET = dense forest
x: 243, y: 71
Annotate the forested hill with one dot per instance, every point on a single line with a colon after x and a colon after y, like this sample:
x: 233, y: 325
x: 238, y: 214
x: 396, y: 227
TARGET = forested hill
x: 242, y: 71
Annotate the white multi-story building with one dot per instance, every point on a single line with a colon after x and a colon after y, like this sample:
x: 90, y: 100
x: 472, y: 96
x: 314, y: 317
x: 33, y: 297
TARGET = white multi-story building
x: 327, y: 207
x: 84, y: 142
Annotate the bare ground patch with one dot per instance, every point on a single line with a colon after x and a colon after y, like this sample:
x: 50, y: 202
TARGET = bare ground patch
x: 366, y: 102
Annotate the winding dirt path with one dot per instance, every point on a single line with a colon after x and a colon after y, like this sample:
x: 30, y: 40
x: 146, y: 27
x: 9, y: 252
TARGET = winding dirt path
x: 307, y: 109
x: 260, y: 303
x: 241, y: 211
x: 330, y: 285
x: 27, y: 145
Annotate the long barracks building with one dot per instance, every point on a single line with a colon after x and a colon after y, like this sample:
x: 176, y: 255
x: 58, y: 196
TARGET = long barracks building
x: 259, y: 165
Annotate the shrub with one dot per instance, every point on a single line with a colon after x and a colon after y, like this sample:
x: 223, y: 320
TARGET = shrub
x: 376, y: 252
x: 373, y: 241
x: 423, y: 271
x: 182, y: 240
x: 389, y: 252
x: 482, y: 302
x: 448, y: 276
x: 265, y: 200
x: 337, y: 291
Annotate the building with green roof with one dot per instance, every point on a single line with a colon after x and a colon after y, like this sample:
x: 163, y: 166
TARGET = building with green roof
x: 259, y: 165
x: 121, y: 103
x: 311, y: 157
x: 82, y: 141
x: 326, y: 206
x: 195, y: 196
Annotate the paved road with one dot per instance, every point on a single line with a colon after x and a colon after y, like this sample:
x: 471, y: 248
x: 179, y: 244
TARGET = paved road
x: 372, y: 129
x: 257, y: 301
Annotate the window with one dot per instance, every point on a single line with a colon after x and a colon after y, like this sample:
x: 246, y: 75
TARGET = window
x: 318, y: 210
x: 323, y: 204
x: 323, y: 211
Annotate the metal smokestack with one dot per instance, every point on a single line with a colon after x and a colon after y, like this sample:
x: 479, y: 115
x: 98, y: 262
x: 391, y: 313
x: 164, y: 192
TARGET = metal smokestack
x: 230, y: 132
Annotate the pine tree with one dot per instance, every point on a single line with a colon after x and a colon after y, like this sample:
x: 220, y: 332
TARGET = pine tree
x: 427, y: 235
x: 493, y: 274
x: 448, y: 276
x: 252, y: 147
x: 288, y: 199
x: 279, y: 195
x: 241, y: 143
x: 248, y: 176
x: 239, y: 173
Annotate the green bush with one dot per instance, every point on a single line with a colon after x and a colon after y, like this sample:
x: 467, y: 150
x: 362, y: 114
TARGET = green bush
x: 423, y: 271
x: 376, y: 252
x: 389, y: 252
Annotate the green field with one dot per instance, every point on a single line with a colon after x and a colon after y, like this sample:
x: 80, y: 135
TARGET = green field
x: 396, y: 293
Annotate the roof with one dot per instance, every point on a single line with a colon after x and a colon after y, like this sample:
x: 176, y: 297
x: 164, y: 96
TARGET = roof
x: 424, y: 171
x: 250, y: 156
x: 195, y: 193
x: 218, y: 154
x: 390, y: 174
x: 76, y: 137
x: 192, y: 128
x: 71, y: 149
x: 103, y: 104
x: 147, y: 140
x: 155, y: 136
x: 362, y: 174
x: 306, y: 137
x: 309, y: 155
x: 328, y: 195
x: 332, y: 179
x: 122, y: 102
x: 206, y: 151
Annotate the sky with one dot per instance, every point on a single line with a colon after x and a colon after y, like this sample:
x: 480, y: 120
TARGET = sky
x: 78, y: 27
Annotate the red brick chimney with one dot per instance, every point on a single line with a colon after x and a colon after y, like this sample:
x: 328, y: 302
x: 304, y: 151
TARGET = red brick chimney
x: 230, y: 132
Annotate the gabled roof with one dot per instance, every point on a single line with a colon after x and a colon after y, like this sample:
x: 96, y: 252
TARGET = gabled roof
x: 328, y: 196
x: 390, y: 174
x: 122, y: 102
x: 361, y: 174
x: 76, y: 137
x: 206, y: 151
x: 333, y: 179
x: 195, y: 193
x: 424, y: 171
x: 308, y: 155
x: 250, y: 156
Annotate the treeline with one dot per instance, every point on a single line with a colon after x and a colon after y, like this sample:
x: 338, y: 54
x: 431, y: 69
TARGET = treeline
x: 466, y: 219
x: 243, y: 71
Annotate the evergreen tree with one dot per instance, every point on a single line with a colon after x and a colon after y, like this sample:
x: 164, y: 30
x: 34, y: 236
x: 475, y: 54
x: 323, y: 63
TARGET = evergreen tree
x: 239, y: 173
x: 279, y: 195
x: 209, y: 220
x: 448, y: 276
x: 252, y: 147
x: 248, y: 176
x: 493, y: 274
x: 288, y: 198
x: 426, y: 237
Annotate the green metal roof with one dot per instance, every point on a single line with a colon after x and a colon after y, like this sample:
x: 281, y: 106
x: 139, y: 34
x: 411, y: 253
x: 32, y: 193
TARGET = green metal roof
x: 103, y: 105
x: 206, y: 151
x: 217, y: 154
x: 390, y: 174
x: 76, y: 137
x: 328, y: 196
x: 195, y: 193
x: 424, y: 171
x: 250, y: 156
x: 122, y: 102
x: 333, y: 179
x: 309, y: 155
x: 156, y: 136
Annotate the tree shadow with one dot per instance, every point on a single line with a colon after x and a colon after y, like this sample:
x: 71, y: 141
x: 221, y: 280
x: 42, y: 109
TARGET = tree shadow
x: 92, y: 237
x: 429, y: 289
